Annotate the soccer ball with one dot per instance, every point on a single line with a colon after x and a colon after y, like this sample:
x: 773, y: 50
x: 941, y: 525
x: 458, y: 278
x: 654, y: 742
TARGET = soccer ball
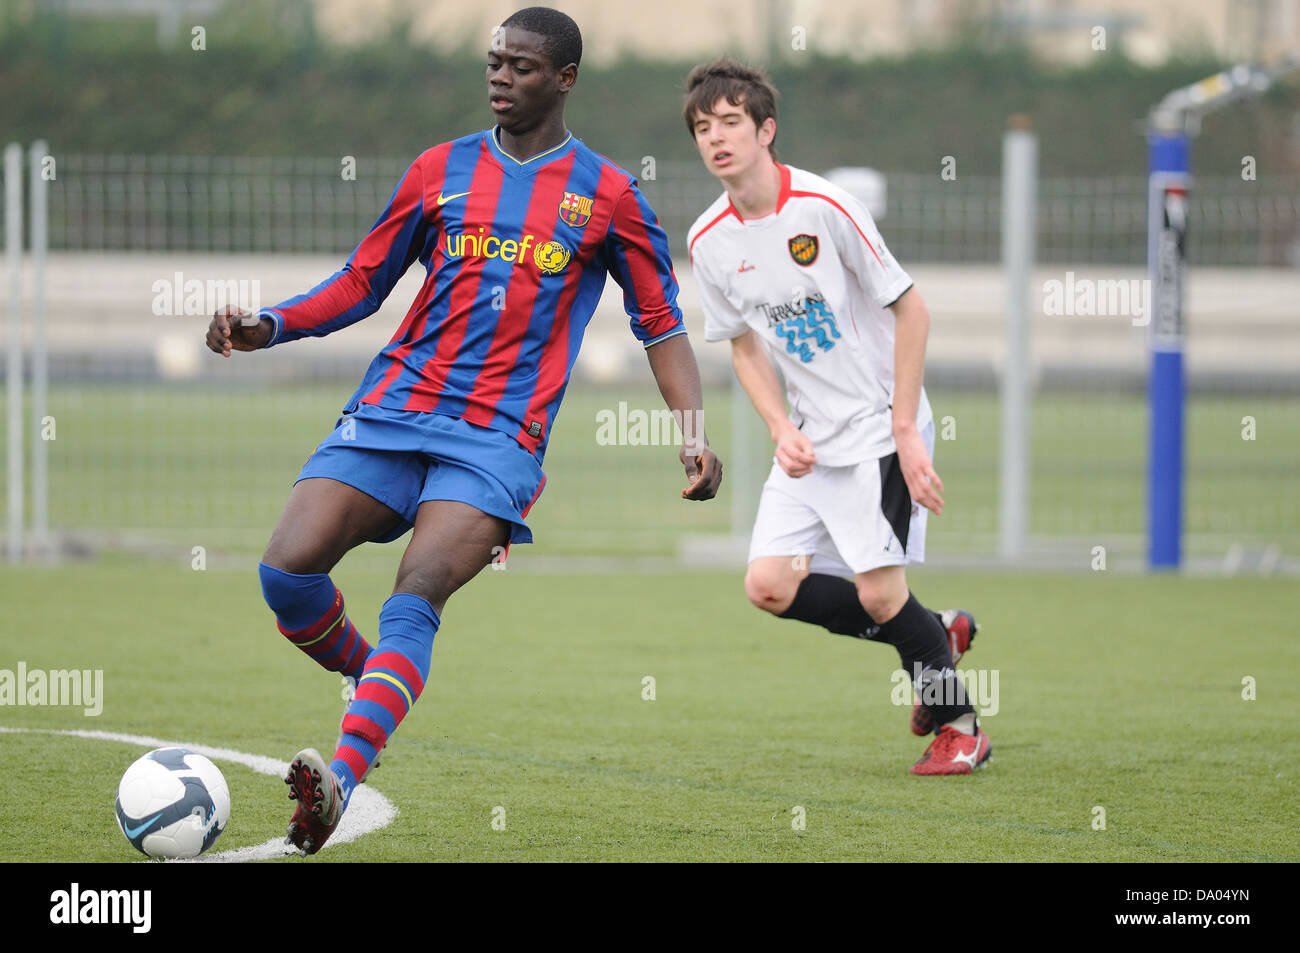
x: 172, y: 803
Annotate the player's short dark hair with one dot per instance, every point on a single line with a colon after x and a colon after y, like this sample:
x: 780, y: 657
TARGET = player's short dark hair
x: 743, y: 85
x: 562, y: 38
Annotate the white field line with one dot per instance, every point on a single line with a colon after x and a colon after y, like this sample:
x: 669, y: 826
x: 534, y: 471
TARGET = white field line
x: 367, y: 811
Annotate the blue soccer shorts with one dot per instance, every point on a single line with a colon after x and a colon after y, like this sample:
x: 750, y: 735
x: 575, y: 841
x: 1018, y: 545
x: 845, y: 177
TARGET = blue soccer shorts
x: 403, y: 458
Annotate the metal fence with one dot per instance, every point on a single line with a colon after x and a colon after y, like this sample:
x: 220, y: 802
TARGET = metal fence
x: 207, y: 458
x: 233, y: 204
x: 170, y: 465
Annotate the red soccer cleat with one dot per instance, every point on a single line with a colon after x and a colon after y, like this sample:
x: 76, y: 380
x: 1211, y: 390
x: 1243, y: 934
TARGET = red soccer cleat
x: 320, y: 802
x: 952, y: 752
x: 961, y: 626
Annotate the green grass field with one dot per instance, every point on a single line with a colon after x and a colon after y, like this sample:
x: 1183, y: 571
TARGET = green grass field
x: 1117, y: 692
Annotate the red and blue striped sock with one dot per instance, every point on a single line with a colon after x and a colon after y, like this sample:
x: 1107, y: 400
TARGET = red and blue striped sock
x: 309, y: 612
x: 393, y: 679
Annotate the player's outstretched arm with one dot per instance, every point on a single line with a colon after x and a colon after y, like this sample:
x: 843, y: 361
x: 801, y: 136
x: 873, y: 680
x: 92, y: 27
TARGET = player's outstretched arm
x: 911, y: 328
x: 678, y: 377
x: 357, y: 290
x: 794, y: 451
x: 236, y: 328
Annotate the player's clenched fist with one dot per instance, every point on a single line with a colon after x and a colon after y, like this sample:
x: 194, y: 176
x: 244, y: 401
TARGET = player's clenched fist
x: 704, y: 470
x: 794, y: 452
x: 236, y: 328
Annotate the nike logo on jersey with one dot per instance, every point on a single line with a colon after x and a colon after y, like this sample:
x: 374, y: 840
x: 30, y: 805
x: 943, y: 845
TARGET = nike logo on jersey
x: 744, y: 267
x: 444, y: 199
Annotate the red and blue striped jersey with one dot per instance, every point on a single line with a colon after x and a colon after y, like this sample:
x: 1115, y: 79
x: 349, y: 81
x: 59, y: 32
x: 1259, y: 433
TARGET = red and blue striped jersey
x: 515, y: 255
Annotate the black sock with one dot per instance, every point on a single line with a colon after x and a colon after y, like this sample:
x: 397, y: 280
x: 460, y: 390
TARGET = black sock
x: 916, y: 632
x: 923, y: 648
x: 831, y: 602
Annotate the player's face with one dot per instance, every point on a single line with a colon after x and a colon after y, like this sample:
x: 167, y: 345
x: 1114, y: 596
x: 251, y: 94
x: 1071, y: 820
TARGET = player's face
x: 523, y: 86
x: 729, y: 142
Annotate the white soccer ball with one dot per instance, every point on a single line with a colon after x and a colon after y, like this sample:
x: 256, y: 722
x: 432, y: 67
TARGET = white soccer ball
x: 172, y: 803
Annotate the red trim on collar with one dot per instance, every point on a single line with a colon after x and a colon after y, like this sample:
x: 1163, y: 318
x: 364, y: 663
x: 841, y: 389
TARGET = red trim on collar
x: 729, y: 210
x: 781, y: 198
x: 784, y: 196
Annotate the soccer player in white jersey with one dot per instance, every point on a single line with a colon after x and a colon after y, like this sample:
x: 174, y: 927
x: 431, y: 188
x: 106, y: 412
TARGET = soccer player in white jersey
x: 792, y: 270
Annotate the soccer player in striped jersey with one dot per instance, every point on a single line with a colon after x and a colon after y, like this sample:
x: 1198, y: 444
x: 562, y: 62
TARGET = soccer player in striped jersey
x: 516, y: 228
x: 791, y: 269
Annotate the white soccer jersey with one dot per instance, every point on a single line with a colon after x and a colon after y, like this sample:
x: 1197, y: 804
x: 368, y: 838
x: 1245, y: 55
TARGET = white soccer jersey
x: 814, y: 280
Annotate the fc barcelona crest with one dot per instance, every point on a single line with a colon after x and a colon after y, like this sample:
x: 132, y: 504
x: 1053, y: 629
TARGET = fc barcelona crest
x: 803, y: 249
x: 575, y: 209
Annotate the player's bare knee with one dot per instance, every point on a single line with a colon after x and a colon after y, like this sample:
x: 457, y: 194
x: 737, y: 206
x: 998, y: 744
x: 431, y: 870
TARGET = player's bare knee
x: 282, y: 560
x: 770, y: 591
x: 762, y: 597
x: 880, y: 602
x: 421, y: 584
x: 433, y: 583
x: 299, y: 559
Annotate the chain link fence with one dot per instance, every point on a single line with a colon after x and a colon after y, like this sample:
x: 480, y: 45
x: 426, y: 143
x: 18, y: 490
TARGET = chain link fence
x: 194, y: 460
x: 298, y: 205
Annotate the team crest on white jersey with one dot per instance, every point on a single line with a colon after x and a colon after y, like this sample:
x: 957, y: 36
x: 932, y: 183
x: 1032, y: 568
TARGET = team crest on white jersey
x: 803, y: 249
x: 818, y: 298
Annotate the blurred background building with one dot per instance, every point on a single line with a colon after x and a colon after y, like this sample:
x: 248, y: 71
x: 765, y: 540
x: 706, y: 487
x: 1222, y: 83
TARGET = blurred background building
x: 1149, y: 31
x: 1060, y: 30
